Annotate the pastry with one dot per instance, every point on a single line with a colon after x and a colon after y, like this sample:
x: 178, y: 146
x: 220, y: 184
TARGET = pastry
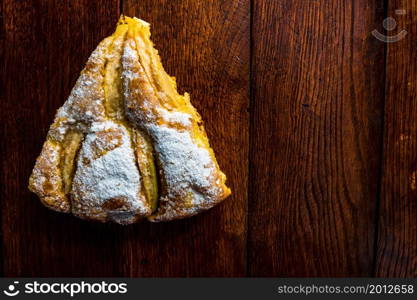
x: 190, y: 178
x: 126, y: 145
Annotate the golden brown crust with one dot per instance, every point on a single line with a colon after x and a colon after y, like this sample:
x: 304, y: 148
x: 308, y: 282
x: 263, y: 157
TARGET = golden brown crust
x: 107, y: 184
x: 61, y: 177
x: 146, y: 163
x: 123, y: 126
x: 46, y: 180
x: 191, y: 180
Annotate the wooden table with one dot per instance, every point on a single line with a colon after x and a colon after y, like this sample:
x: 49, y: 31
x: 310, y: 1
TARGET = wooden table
x: 313, y: 119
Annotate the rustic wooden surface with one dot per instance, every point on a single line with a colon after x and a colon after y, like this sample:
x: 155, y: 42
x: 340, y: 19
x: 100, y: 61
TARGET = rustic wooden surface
x: 313, y: 120
x: 315, y: 137
x: 397, y: 242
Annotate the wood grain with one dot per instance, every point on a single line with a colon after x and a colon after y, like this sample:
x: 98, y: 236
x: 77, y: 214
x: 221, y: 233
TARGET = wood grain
x: 2, y: 129
x: 329, y: 113
x: 318, y: 79
x: 397, y: 242
x: 48, y: 43
x: 205, y: 44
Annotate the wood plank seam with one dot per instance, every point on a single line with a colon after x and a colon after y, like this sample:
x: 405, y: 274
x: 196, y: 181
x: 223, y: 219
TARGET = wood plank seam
x: 251, y: 120
x: 397, y: 242
x: 2, y: 133
x: 205, y: 45
x: 379, y: 195
x: 314, y: 168
x: 47, y: 44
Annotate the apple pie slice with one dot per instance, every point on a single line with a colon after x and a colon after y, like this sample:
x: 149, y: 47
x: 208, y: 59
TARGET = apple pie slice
x: 126, y: 145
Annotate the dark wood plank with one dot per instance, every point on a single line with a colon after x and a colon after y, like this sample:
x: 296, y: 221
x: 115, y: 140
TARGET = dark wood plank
x: 2, y: 116
x: 205, y: 44
x: 207, y: 47
x: 397, y: 242
x: 318, y: 78
x: 48, y: 43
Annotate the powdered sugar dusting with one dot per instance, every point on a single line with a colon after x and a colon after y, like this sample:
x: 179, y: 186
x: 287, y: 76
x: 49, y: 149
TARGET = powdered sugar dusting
x: 186, y: 166
x: 188, y: 173
x: 107, y: 182
x: 86, y: 101
x: 187, y: 170
x: 175, y: 118
x: 107, y: 171
x: 130, y: 69
x: 46, y: 178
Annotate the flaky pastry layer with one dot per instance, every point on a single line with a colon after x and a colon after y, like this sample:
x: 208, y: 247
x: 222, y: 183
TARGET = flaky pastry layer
x: 126, y: 145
